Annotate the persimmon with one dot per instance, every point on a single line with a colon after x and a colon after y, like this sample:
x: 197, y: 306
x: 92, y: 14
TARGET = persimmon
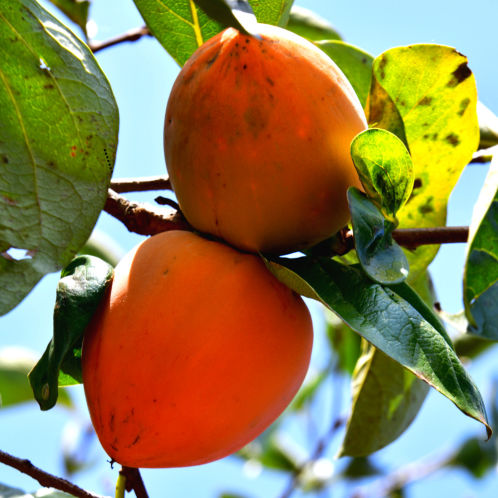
x: 194, y: 351
x: 257, y: 140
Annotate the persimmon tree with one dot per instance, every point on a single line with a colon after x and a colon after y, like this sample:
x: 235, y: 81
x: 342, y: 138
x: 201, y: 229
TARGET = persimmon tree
x: 58, y: 140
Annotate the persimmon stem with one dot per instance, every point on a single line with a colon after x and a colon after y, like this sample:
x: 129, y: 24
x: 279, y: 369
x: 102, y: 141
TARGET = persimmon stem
x: 130, y: 36
x: 44, y: 478
x: 133, y: 481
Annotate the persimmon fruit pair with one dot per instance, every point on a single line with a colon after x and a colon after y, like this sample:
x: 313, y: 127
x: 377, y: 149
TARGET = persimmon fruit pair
x: 197, y: 348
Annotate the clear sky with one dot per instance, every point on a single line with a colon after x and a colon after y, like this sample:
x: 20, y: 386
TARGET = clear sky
x: 141, y: 75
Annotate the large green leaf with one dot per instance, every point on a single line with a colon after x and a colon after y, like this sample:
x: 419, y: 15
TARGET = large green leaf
x: 181, y: 27
x: 353, y: 62
x: 76, y: 10
x: 310, y: 25
x: 59, y: 126
x: 409, y: 334
x: 15, y: 365
x: 381, y: 257
x: 481, y: 269
x: 386, y: 396
x: 81, y: 287
x: 386, y: 399
x: 434, y: 93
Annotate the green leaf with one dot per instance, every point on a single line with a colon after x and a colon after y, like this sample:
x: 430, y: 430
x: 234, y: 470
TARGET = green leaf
x: 360, y: 467
x: 488, y: 126
x: 481, y: 269
x: 353, y: 62
x: 310, y: 25
x: 379, y: 255
x: 15, y: 364
x: 387, y: 321
x: 76, y: 10
x: 79, y: 292
x: 61, y: 124
x: 432, y: 90
x: 397, y: 394
x: 179, y: 25
x: 343, y: 341
x: 385, y: 169
x: 386, y: 399
x: 235, y: 13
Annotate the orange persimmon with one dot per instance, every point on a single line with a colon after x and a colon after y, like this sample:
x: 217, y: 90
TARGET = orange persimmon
x: 194, y: 351
x: 257, y: 140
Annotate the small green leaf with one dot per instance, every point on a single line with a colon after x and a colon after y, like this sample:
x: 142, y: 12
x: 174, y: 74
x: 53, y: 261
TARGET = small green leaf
x: 386, y: 399
x: 385, y: 169
x: 76, y: 10
x: 274, y: 12
x: 488, y: 126
x: 353, y: 62
x: 310, y: 25
x: 360, y: 467
x: 476, y: 456
x: 433, y: 91
x: 379, y: 255
x: 79, y: 292
x: 61, y: 125
x: 235, y: 13
x: 387, y: 321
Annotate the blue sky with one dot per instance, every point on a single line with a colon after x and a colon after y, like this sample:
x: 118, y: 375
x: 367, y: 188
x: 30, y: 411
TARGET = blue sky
x: 141, y: 75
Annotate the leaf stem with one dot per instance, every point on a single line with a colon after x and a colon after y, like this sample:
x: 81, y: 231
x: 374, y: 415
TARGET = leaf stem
x: 130, y: 36
x: 134, y: 481
x: 44, y: 478
x: 120, y: 485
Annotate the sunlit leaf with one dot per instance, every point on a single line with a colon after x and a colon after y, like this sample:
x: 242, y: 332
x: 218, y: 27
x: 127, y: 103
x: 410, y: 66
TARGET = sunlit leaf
x: 353, y: 62
x: 410, y: 335
x: 481, y: 268
x: 76, y: 10
x: 79, y: 292
x: 309, y: 25
x: 380, y: 256
x: 57, y: 146
x: 433, y: 91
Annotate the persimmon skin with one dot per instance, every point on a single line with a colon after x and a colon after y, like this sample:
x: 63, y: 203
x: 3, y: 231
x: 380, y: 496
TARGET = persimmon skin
x: 194, y: 351
x: 257, y: 141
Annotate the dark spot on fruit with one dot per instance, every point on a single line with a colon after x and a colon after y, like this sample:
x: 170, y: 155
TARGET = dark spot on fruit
x: 452, y: 139
x: 244, y: 66
x: 461, y: 73
x: 270, y: 81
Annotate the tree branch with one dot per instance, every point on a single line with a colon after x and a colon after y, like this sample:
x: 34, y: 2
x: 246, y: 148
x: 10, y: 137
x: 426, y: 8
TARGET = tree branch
x: 141, y: 218
x: 143, y: 184
x: 44, y: 478
x: 129, y: 36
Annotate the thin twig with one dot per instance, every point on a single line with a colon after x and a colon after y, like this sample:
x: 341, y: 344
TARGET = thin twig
x: 141, y: 218
x: 130, y: 36
x: 44, y: 478
x: 397, y: 480
x: 134, y: 481
x: 142, y: 184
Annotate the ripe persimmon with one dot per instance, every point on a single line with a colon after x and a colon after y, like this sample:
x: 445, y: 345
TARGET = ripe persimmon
x: 257, y: 140
x: 194, y: 351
